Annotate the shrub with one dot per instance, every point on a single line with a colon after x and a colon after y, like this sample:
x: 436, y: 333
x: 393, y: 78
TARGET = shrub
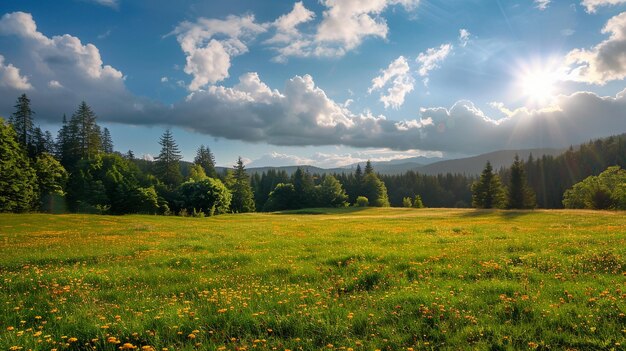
x: 362, y: 201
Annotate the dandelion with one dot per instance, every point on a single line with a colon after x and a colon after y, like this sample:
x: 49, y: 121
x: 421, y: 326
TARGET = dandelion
x: 191, y: 336
x: 128, y: 346
x: 72, y: 340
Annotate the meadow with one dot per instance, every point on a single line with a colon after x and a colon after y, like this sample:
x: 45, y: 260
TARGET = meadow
x: 351, y: 279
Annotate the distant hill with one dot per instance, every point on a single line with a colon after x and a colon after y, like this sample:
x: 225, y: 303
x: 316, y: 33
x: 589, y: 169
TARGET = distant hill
x: 474, y: 165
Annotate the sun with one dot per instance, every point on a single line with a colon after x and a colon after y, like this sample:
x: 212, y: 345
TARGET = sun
x: 539, y: 86
x: 538, y: 83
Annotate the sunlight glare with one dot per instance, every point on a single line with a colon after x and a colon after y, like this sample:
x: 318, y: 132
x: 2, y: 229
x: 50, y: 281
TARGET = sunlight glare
x: 538, y: 83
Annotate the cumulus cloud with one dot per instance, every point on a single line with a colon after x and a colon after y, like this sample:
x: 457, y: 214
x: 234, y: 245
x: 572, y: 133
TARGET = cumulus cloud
x: 542, y: 4
x: 61, y: 61
x: 604, y: 62
x: 592, y: 5
x: 344, y: 25
x: 10, y: 77
x: 464, y: 37
x: 211, y: 43
x: 299, y: 114
x: 398, y: 74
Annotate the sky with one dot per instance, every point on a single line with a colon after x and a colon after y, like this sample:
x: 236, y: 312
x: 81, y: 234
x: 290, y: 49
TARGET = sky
x: 323, y: 82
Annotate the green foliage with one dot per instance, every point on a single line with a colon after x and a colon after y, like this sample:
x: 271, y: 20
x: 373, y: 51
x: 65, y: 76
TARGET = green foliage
x: 407, y: 202
x: 196, y: 173
x: 51, y: 181
x: 146, y: 201
x: 105, y: 183
x: 206, y: 160
x: 488, y: 191
x: 22, y: 122
x: 331, y: 193
x: 605, y: 191
x: 85, y: 139
x: 18, y: 182
x: 362, y: 201
x: 520, y: 195
x: 243, y: 197
x: 417, y: 203
x: 375, y: 190
x: 209, y: 195
x: 107, y: 142
x: 305, y: 189
x: 283, y: 197
x: 167, y: 164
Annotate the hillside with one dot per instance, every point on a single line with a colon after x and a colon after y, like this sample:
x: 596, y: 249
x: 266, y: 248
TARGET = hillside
x: 472, y: 166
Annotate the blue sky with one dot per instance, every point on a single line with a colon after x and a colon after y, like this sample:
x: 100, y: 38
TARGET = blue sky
x: 327, y: 82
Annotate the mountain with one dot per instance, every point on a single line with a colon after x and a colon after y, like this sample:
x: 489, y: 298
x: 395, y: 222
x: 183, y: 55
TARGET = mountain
x: 474, y: 165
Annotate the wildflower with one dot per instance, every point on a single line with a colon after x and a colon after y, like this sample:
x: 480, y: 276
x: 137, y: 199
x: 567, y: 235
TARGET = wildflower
x: 72, y: 340
x: 10, y: 328
x: 128, y: 346
x: 191, y: 336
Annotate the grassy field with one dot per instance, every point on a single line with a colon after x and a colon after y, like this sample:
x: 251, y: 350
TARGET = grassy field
x: 389, y: 279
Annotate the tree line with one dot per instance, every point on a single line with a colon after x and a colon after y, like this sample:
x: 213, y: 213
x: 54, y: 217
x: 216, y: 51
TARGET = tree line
x: 79, y: 171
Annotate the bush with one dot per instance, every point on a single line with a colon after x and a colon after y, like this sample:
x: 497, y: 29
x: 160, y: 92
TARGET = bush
x: 209, y: 196
x: 406, y: 202
x: 362, y: 201
x: 605, y: 191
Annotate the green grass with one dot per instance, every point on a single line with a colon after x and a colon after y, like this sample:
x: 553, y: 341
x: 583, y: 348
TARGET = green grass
x: 365, y: 279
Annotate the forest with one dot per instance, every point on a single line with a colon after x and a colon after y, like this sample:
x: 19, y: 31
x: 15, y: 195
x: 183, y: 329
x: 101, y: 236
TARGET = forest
x: 79, y: 170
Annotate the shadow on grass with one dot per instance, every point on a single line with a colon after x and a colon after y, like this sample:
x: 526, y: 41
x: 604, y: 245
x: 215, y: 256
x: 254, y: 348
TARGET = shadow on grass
x: 506, y: 214
x: 320, y: 211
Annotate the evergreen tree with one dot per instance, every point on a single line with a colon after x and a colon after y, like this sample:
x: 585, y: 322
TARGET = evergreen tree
x: 22, y: 122
x: 205, y: 158
x: 407, y: 202
x: 417, y: 203
x: 167, y: 164
x: 520, y: 195
x: 375, y: 190
x: 368, y: 168
x: 84, y: 133
x: 305, y: 189
x: 107, y: 142
x: 130, y: 155
x: 488, y: 191
x: 331, y: 193
x: 243, y: 197
x: 18, y: 182
x: 358, y: 174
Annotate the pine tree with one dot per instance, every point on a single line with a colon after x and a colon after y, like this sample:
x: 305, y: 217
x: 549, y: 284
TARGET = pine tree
x: 167, y: 165
x: 488, y: 191
x: 358, y: 174
x: 206, y: 160
x: 305, y: 189
x: 84, y: 133
x: 107, y: 142
x: 520, y: 195
x: 243, y: 197
x: 18, y: 182
x: 22, y: 122
x: 368, y: 168
x: 66, y: 145
x: 331, y: 193
x: 417, y: 203
x: 130, y: 155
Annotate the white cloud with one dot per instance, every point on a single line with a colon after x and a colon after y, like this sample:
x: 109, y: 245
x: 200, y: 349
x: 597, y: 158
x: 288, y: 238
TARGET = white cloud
x: 343, y: 27
x: 114, y: 4
x: 464, y: 37
x: 542, y: 4
x: 300, y: 114
x: 592, y: 5
x: 164, y: 79
x: 211, y: 43
x: 604, y: 62
x: 431, y: 59
x: 402, y: 83
x: 10, y: 77
x: 55, y: 84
